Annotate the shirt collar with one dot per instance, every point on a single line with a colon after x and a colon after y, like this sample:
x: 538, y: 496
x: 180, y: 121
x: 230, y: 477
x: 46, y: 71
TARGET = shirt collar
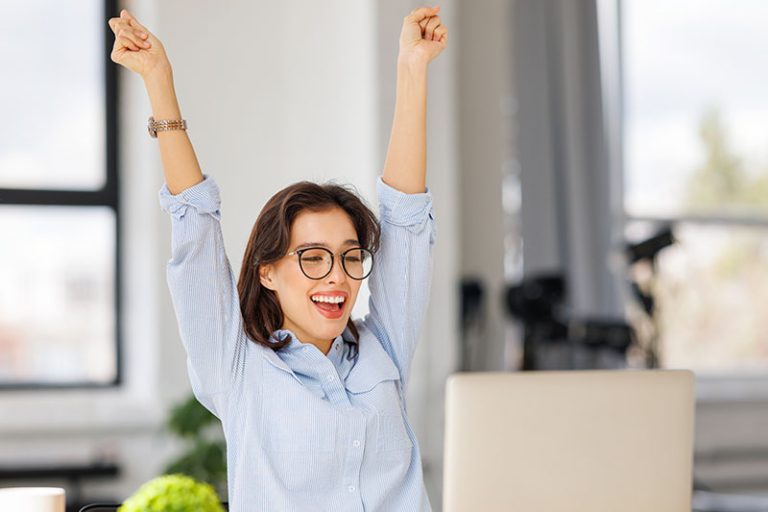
x: 295, y: 344
x: 336, y: 350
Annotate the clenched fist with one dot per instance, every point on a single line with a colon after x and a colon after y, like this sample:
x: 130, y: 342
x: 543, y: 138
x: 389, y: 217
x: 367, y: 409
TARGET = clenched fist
x: 423, y: 36
x: 136, y: 48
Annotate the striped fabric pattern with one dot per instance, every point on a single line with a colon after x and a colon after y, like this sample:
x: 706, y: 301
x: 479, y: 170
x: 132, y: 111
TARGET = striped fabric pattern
x: 307, y: 431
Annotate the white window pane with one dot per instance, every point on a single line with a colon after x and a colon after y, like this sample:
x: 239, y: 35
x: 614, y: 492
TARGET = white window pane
x: 57, y: 308
x: 695, y: 107
x: 52, y: 117
x: 712, y: 299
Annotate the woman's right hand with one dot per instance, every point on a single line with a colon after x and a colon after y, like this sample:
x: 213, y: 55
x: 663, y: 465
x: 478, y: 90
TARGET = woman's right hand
x: 136, y: 48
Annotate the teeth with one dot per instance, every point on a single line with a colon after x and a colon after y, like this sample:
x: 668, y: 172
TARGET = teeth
x: 332, y: 300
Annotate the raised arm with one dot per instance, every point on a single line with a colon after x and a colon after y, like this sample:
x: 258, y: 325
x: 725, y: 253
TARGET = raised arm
x: 200, y: 279
x: 401, y: 278
x: 423, y: 37
x: 140, y: 51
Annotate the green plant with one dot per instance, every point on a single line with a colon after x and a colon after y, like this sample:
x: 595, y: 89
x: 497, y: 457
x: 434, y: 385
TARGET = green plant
x: 205, y: 457
x: 173, y: 493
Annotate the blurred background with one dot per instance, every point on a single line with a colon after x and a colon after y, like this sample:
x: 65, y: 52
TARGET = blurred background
x: 599, y: 171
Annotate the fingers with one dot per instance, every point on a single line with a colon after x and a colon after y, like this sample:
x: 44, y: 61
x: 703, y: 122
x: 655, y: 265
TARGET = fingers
x: 428, y: 21
x: 114, y: 24
x: 441, y: 34
x: 126, y: 20
x: 132, y: 21
x: 419, y: 14
x: 429, y: 30
x: 128, y: 35
x: 133, y: 41
x: 432, y: 28
x: 129, y: 43
x: 118, y: 27
x: 130, y: 38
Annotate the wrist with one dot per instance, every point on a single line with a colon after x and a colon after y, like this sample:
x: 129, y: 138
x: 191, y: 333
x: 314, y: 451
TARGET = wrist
x: 162, y: 95
x: 158, y: 76
x: 411, y: 78
x: 412, y: 66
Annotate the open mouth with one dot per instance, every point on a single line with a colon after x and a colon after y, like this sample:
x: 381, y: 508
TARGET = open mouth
x: 329, y: 309
x: 327, y: 306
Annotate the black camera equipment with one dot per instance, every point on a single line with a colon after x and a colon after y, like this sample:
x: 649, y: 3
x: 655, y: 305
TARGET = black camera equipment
x: 552, y: 340
x: 473, y: 320
x: 647, y: 252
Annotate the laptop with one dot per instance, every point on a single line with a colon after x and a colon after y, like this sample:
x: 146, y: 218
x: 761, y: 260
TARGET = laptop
x: 569, y: 441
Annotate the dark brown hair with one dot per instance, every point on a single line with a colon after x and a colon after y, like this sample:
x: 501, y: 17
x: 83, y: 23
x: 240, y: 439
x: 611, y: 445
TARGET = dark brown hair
x: 269, y: 241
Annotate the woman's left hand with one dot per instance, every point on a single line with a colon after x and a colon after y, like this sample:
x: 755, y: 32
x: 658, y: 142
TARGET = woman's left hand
x: 423, y: 36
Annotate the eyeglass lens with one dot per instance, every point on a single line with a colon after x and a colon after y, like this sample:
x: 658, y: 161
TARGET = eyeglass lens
x: 316, y: 263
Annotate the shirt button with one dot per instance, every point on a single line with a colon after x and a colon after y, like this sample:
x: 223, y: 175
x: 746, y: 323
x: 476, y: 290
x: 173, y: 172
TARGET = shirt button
x: 329, y: 378
x: 351, y: 488
x: 356, y: 443
x: 337, y: 347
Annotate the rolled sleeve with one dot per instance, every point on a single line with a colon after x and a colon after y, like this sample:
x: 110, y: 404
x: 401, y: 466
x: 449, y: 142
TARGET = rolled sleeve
x: 412, y: 211
x: 204, y: 197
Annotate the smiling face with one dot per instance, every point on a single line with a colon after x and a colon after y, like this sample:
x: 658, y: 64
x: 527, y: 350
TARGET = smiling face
x: 331, y: 228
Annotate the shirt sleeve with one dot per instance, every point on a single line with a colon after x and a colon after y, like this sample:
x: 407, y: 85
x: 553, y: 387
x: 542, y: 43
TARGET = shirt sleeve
x: 401, y: 277
x: 204, y: 292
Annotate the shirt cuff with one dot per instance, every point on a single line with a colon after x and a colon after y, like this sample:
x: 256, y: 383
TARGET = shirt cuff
x: 402, y: 209
x: 204, y: 197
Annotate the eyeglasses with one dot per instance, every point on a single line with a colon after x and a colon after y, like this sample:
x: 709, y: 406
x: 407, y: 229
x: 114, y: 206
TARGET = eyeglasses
x: 317, y: 262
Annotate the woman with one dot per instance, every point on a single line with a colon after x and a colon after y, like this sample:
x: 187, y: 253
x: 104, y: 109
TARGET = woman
x: 312, y: 403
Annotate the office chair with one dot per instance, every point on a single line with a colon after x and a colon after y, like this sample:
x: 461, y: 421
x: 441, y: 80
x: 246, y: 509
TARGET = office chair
x: 112, y: 507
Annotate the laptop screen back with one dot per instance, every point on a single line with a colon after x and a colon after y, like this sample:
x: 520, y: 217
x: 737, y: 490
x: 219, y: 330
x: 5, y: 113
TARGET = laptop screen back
x: 597, y: 441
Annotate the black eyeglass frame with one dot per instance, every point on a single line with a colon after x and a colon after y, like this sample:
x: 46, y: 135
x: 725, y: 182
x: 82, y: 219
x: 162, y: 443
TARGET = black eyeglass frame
x: 343, y: 255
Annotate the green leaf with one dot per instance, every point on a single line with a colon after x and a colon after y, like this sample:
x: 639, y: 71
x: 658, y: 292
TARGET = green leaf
x: 189, y: 418
x: 173, y: 493
x: 205, y: 461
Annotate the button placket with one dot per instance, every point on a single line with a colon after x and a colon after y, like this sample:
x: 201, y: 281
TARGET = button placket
x: 354, y: 460
x: 334, y: 389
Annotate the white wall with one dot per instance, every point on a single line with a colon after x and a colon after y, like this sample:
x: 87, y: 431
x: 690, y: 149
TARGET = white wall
x: 273, y: 92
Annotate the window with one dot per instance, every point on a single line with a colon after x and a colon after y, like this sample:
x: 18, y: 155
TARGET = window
x: 59, y: 209
x: 695, y: 153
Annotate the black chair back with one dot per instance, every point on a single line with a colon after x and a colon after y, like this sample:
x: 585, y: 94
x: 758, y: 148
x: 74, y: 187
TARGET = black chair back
x: 112, y: 507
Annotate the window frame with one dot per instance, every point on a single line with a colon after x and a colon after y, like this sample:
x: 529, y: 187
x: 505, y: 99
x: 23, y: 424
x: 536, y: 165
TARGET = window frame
x: 729, y: 385
x: 107, y: 196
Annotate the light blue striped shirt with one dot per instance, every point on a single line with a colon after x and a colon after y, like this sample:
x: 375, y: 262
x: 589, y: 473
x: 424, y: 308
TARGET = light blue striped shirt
x: 307, y: 431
